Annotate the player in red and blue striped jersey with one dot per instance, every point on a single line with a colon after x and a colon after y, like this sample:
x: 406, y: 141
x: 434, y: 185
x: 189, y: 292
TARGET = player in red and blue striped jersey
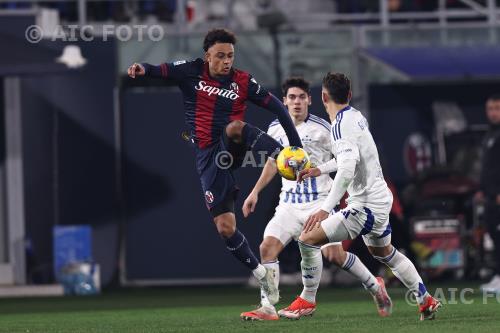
x: 215, y: 96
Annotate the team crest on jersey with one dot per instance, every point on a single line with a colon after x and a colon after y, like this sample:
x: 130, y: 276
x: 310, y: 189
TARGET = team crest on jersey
x: 258, y: 85
x: 306, y: 139
x: 209, y: 197
x: 234, y: 87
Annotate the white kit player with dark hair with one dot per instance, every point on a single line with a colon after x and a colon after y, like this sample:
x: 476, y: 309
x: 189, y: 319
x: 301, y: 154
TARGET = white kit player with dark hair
x: 370, y: 200
x: 297, y: 203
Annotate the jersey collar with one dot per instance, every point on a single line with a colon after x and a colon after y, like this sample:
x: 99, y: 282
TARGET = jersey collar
x: 345, y: 109
x: 218, y: 79
x: 307, y: 117
x: 339, y: 114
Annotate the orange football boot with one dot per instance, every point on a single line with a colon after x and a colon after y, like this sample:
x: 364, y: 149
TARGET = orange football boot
x: 299, y: 308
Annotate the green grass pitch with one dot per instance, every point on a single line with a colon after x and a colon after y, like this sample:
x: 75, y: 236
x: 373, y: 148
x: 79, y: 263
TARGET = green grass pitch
x: 217, y: 309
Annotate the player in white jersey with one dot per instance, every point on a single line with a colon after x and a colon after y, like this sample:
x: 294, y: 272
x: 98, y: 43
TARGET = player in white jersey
x: 297, y: 203
x: 370, y: 200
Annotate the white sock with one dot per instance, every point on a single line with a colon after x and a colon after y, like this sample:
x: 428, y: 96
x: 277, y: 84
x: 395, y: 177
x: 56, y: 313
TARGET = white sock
x: 406, y: 272
x: 312, y: 266
x: 259, y: 272
x: 356, y: 268
x: 275, y: 266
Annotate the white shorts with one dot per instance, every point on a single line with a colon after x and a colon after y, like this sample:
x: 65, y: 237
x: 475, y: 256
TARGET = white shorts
x: 370, y: 222
x: 289, y: 219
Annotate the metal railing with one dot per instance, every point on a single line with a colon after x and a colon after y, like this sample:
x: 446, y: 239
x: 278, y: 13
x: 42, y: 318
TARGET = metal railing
x: 384, y: 17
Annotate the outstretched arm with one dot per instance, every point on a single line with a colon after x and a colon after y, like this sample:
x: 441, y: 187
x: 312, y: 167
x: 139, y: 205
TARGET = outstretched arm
x: 327, y: 167
x: 172, y: 70
x: 275, y: 106
x: 136, y: 69
x: 343, y: 178
x: 145, y: 69
x: 155, y: 71
x: 266, y: 100
x: 268, y: 173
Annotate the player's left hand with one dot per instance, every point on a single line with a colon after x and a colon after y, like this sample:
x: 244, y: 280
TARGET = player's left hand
x: 314, y: 220
x: 250, y: 203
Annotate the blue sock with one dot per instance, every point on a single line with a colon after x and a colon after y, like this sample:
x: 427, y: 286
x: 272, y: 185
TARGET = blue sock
x: 237, y: 244
x: 257, y: 140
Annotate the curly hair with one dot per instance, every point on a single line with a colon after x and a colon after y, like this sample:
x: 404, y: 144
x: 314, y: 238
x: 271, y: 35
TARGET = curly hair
x: 218, y: 35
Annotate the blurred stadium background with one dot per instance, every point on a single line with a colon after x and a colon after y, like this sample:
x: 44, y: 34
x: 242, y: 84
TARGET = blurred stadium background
x: 96, y: 180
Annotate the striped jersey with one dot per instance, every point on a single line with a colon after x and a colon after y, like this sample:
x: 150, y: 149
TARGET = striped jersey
x: 315, y: 135
x: 212, y: 103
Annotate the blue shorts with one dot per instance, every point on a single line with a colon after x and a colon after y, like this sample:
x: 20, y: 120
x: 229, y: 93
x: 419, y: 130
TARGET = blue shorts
x: 215, y: 165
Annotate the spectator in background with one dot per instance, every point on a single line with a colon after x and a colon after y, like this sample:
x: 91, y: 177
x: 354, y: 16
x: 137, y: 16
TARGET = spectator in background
x: 489, y: 193
x: 164, y: 10
x: 361, y: 6
x: 399, y: 6
x: 395, y: 6
x: 102, y: 11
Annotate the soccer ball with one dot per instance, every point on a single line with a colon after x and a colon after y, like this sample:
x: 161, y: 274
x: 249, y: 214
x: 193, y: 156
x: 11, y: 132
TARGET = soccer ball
x: 291, y: 160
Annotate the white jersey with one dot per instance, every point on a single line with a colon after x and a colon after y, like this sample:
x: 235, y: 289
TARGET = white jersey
x: 352, y: 140
x: 315, y: 135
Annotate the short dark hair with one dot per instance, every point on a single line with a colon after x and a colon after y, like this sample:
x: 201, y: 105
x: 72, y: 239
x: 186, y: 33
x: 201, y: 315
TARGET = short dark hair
x: 494, y: 97
x: 338, y: 86
x: 296, y: 82
x: 218, y: 35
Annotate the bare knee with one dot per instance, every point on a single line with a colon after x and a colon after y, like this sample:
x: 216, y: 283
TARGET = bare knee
x: 310, y: 238
x: 335, y: 254
x: 269, y: 249
x: 304, y: 238
x: 234, y: 130
x: 226, y: 224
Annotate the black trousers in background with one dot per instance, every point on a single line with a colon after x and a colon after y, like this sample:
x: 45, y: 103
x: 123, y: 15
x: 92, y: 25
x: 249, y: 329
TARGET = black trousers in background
x: 492, y: 220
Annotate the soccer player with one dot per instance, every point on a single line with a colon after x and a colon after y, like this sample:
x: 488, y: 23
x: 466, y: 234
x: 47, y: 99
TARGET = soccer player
x: 489, y: 186
x: 370, y: 200
x: 297, y: 203
x: 214, y: 99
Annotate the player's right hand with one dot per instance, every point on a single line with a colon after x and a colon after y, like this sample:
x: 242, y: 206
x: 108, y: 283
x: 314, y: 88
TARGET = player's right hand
x: 136, y: 69
x: 304, y: 174
x: 250, y: 203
